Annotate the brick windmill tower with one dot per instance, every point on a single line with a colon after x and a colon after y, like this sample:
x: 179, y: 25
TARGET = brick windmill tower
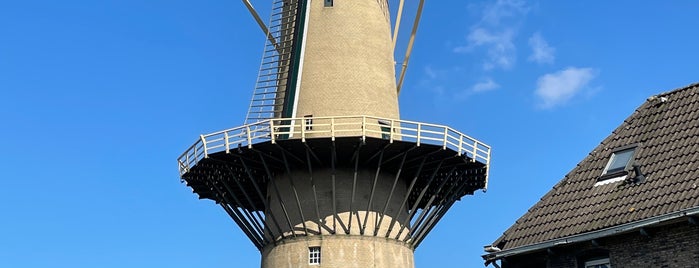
x: 323, y: 172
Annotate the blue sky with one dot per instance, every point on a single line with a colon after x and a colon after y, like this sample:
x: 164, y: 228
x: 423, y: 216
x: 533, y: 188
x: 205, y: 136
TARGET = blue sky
x: 100, y: 97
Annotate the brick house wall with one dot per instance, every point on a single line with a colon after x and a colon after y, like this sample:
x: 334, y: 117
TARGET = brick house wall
x: 675, y: 245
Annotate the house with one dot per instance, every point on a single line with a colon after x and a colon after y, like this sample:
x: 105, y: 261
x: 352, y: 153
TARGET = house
x: 632, y: 202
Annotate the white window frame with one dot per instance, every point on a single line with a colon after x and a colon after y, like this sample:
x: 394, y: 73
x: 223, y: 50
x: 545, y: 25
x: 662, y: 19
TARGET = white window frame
x: 597, y: 263
x: 314, y: 255
x: 308, y: 121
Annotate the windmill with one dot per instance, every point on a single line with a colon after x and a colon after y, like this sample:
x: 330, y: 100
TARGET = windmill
x: 323, y: 171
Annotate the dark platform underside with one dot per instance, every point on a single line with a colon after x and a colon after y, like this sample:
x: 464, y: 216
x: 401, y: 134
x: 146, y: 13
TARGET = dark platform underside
x: 440, y: 173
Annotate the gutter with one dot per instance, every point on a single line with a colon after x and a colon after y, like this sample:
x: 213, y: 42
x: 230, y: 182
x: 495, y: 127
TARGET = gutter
x: 619, y: 229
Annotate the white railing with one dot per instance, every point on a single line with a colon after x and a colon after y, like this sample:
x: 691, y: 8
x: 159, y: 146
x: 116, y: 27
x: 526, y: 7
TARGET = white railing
x: 332, y: 127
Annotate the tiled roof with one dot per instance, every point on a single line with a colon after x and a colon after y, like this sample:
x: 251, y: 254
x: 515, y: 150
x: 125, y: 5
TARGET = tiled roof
x: 666, y: 130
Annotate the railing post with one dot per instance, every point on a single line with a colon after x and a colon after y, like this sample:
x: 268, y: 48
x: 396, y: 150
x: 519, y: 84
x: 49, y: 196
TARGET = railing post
x: 444, y: 146
x: 271, y: 131
x: 390, y: 132
x: 461, y: 144
x: 303, y: 129
x: 363, y: 128
x: 332, y: 128
x: 419, y: 131
x: 487, y: 171
x: 225, y: 139
x: 195, y: 153
x: 203, y: 141
x: 475, y: 150
x: 249, y: 137
x: 181, y: 167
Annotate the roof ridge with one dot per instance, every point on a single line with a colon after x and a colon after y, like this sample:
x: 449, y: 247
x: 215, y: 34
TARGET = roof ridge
x: 673, y: 91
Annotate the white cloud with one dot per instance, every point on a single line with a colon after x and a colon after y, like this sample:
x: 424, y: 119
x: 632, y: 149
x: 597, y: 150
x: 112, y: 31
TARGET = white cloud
x: 503, y: 9
x: 542, y: 52
x: 434, y: 78
x: 500, y: 48
x: 557, y: 88
x: 432, y: 73
x: 495, y: 33
x: 486, y: 85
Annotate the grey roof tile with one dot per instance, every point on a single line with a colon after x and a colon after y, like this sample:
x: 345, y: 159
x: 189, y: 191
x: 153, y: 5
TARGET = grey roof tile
x: 668, y: 137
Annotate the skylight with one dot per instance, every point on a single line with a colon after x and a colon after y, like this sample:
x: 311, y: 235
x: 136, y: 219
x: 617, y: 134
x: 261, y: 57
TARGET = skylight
x: 618, y: 166
x: 619, y: 161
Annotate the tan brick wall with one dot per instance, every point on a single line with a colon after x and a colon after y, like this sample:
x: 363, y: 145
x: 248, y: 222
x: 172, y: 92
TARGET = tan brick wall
x: 348, y: 70
x: 340, y: 252
x: 348, y: 62
x: 340, y: 249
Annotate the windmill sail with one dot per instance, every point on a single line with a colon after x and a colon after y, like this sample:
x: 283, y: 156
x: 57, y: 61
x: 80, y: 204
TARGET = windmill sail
x: 275, y: 88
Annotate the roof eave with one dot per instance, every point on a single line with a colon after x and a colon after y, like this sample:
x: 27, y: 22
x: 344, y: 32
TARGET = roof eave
x: 619, y: 229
